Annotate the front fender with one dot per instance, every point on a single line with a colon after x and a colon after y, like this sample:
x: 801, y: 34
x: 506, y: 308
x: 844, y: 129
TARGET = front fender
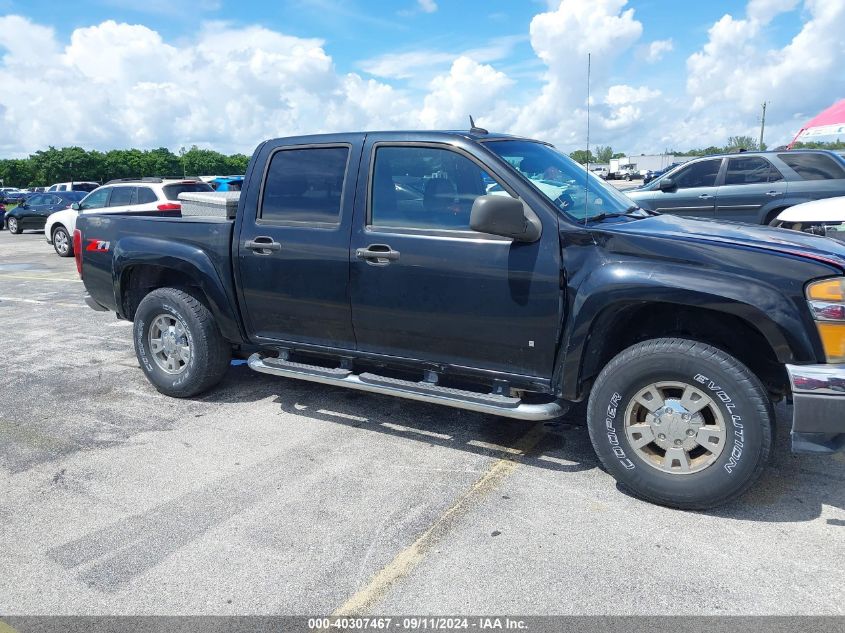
x: 620, y: 285
x: 186, y: 259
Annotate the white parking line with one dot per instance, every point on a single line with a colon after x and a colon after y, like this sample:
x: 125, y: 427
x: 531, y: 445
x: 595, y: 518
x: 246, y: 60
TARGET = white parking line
x: 43, y: 302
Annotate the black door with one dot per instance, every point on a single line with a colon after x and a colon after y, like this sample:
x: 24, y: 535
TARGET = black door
x: 33, y: 214
x: 425, y: 286
x: 293, y: 246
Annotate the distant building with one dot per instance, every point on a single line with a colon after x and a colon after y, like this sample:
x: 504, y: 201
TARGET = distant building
x: 645, y: 162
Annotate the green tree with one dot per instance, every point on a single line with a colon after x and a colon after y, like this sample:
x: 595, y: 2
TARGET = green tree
x: 741, y: 142
x: 50, y: 165
x: 604, y: 153
x: 582, y: 156
x: 829, y: 145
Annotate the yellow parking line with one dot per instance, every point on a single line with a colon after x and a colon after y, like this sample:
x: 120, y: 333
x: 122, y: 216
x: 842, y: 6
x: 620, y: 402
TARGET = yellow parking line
x: 406, y: 560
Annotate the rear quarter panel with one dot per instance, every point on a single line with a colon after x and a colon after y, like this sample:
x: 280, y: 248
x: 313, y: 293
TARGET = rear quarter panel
x: 197, y: 247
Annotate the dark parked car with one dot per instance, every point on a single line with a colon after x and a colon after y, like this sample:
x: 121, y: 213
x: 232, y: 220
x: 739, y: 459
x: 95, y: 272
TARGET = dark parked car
x: 749, y: 187
x: 509, y: 284
x: 654, y: 174
x: 15, y: 197
x: 33, y: 212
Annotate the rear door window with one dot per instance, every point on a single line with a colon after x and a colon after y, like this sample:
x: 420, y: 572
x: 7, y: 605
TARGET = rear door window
x: 304, y: 185
x: 171, y: 192
x: 750, y: 170
x: 146, y: 195
x: 123, y: 196
x: 813, y: 166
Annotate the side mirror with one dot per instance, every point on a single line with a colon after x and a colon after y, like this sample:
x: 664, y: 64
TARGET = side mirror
x: 505, y: 216
x: 667, y: 184
x: 75, y: 206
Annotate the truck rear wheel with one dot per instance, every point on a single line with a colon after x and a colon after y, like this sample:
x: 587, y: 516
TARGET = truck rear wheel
x: 680, y: 423
x: 178, y: 344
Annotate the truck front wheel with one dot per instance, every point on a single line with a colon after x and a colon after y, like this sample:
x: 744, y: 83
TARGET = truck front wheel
x: 178, y: 344
x: 680, y: 423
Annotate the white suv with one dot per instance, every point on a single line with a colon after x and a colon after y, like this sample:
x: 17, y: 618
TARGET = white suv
x: 79, y: 185
x: 144, y: 196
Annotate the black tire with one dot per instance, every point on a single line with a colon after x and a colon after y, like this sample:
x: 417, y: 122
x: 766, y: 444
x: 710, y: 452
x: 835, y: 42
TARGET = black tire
x: 68, y: 242
x: 14, y: 226
x: 209, y: 352
x: 771, y: 218
x: 737, y: 394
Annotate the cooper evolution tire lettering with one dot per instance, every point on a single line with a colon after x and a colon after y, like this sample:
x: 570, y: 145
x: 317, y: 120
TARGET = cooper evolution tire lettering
x: 612, y: 409
x: 739, y: 429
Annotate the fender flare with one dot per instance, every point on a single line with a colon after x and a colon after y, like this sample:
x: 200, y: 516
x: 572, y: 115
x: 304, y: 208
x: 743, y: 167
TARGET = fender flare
x: 618, y: 286
x: 186, y: 259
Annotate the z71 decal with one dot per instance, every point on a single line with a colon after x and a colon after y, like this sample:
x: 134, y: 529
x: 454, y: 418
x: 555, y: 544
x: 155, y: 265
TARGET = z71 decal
x: 99, y: 246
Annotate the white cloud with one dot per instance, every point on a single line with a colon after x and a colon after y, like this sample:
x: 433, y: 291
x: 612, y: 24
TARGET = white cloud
x: 117, y: 85
x: 469, y: 88
x: 622, y: 94
x: 424, y: 62
x: 427, y: 6
x: 228, y: 87
x: 562, y: 39
x: 657, y: 49
x: 735, y: 71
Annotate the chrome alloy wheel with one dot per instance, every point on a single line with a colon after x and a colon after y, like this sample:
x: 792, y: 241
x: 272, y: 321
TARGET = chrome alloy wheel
x: 61, y: 242
x: 169, y: 344
x: 675, y: 427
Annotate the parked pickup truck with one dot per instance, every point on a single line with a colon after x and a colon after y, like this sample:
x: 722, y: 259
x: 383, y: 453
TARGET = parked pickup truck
x: 492, y: 273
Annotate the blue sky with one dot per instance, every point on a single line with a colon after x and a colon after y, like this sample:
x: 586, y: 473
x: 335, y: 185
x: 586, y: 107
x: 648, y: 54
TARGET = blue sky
x: 667, y: 73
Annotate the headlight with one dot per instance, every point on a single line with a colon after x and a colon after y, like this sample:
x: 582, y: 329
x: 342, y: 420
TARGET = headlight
x: 827, y: 304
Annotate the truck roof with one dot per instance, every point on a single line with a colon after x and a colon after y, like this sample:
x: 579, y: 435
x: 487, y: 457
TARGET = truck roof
x: 473, y: 135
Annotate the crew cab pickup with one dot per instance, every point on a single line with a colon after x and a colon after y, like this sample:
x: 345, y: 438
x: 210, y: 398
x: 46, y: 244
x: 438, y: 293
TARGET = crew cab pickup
x: 492, y: 273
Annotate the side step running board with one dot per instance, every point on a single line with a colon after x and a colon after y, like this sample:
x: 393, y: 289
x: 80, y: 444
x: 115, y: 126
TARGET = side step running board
x: 423, y: 391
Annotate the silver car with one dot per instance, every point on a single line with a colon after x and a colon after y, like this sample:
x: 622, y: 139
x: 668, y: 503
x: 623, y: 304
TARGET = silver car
x: 751, y: 187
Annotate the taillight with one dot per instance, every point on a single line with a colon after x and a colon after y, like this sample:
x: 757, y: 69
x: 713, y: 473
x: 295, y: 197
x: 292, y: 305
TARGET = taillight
x: 77, y: 250
x: 170, y: 206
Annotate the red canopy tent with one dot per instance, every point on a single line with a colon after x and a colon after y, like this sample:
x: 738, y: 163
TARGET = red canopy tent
x: 827, y: 123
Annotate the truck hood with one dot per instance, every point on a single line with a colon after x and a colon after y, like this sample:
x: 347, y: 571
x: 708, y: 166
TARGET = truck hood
x: 783, y: 241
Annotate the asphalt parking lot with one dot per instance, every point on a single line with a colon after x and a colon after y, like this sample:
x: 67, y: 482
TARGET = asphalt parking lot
x: 272, y: 496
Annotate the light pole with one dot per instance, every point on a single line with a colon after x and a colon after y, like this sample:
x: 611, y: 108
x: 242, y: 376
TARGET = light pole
x: 762, y: 126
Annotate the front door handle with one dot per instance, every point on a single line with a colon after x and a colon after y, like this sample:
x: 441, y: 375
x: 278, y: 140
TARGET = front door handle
x: 773, y: 193
x: 263, y: 245
x: 377, y: 254
x: 704, y: 196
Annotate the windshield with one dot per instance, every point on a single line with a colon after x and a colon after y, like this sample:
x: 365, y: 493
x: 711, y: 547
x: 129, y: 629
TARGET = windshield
x: 571, y: 188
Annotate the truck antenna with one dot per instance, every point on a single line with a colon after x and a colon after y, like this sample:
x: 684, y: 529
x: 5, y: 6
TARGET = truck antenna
x: 474, y: 128
x: 587, y: 176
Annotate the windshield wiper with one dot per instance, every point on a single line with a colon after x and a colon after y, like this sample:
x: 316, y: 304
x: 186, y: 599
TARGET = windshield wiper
x: 631, y: 212
x: 634, y: 207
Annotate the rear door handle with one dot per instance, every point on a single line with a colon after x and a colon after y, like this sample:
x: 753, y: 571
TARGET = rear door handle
x: 773, y: 193
x: 263, y: 245
x: 377, y: 254
x: 705, y: 196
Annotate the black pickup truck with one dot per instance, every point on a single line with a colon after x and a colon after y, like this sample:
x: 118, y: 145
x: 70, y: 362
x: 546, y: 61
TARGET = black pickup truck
x: 492, y: 273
